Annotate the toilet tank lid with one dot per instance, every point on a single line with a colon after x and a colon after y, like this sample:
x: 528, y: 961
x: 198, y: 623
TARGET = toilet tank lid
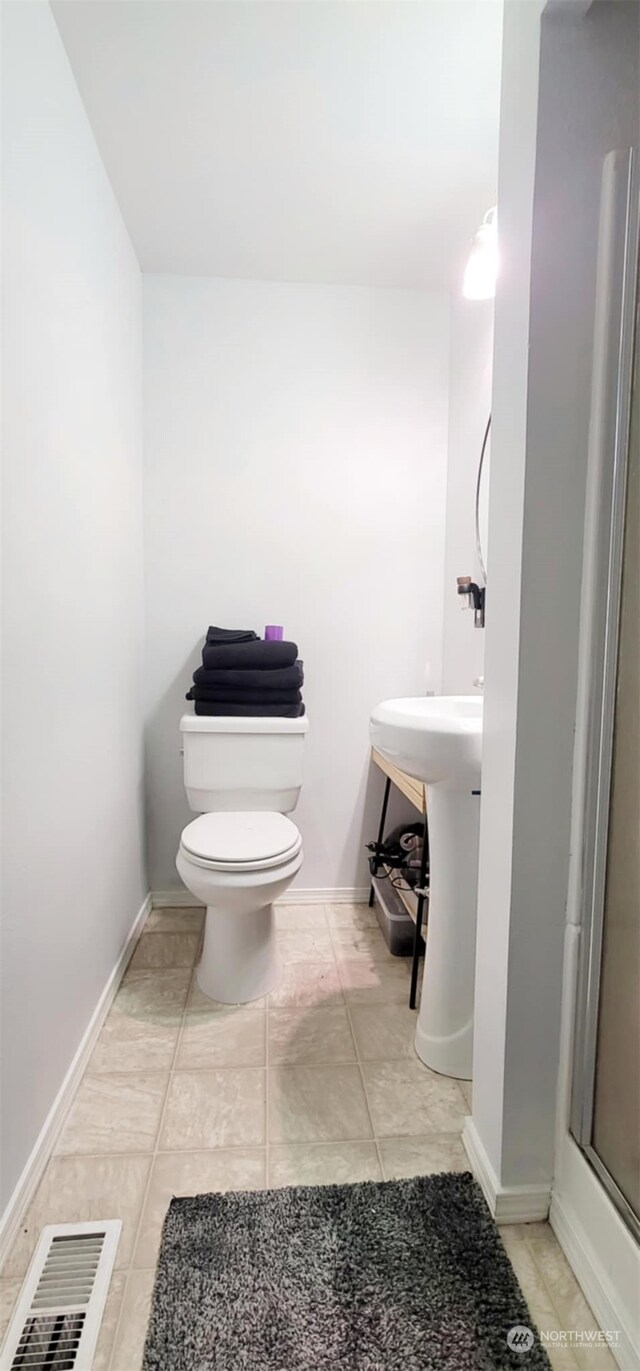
x: 206, y: 723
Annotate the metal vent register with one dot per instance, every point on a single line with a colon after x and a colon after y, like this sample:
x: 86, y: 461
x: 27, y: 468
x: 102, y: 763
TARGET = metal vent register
x: 57, y: 1318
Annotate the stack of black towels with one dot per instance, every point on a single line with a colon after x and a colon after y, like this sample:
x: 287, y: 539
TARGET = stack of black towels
x: 242, y: 674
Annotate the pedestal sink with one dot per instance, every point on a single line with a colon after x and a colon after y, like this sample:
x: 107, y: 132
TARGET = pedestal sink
x: 438, y: 739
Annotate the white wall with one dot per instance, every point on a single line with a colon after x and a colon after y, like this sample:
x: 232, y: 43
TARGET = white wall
x: 295, y: 473
x: 516, y: 176
x: 73, y: 875
x: 470, y: 370
x: 584, y: 105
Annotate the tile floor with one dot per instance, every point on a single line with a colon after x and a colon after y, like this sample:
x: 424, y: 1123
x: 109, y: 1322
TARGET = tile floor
x: 318, y: 1084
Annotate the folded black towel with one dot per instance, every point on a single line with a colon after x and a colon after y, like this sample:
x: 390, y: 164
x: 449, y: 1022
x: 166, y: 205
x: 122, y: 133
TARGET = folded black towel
x: 231, y: 635
x: 248, y: 656
x: 226, y: 682
x: 247, y: 711
x: 245, y: 697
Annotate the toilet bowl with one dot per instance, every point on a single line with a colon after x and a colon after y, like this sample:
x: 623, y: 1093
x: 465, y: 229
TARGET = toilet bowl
x: 238, y: 864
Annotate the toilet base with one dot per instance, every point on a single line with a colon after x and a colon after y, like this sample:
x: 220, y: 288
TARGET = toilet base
x: 240, y: 959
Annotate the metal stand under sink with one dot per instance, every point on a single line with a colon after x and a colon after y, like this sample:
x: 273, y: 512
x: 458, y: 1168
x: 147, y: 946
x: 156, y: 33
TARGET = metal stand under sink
x: 415, y: 902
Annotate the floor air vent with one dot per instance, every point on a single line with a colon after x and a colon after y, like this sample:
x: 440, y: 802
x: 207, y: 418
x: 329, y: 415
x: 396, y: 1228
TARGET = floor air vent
x: 57, y: 1318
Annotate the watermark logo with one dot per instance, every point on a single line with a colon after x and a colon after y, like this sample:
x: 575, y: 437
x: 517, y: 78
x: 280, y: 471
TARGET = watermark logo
x: 520, y: 1338
x: 584, y: 1338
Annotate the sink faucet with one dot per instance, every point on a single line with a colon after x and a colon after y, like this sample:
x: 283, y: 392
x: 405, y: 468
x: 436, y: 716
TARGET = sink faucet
x: 475, y: 596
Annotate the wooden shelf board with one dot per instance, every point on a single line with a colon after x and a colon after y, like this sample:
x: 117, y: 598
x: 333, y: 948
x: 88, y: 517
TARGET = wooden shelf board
x: 413, y: 790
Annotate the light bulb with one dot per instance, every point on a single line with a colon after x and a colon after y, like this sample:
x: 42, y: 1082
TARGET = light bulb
x: 482, y: 265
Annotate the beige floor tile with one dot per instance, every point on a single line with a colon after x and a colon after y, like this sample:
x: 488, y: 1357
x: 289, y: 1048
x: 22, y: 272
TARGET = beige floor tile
x: 129, y: 1043
x: 221, y: 1037
x: 466, y: 1088
x: 193, y: 1173
x: 406, y: 1099
x: 514, y: 1241
x: 9, y: 1291
x: 405, y: 1157
x: 512, y: 1233
x: 305, y: 945
x: 307, y: 983
x: 310, y: 1035
x: 106, y: 1336
x: 550, y: 1329
x: 317, y: 1104
x: 529, y: 1231
x: 597, y: 1356
x: 134, y: 1318
x: 75, y: 1189
x: 300, y: 916
x: 531, y: 1283
x: 223, y: 1108
x: 165, y: 950
x: 323, y: 1164
x: 549, y: 1326
x: 117, y: 1113
x: 360, y: 942
x: 153, y: 994
x: 523, y: 1232
x: 351, y: 916
x: 555, y: 1269
x: 562, y: 1358
x: 575, y: 1314
x: 197, y: 1001
x: 367, y: 982
x: 175, y: 921
x: 384, y: 1032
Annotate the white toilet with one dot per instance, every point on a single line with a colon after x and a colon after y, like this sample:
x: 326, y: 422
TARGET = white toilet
x: 243, y: 776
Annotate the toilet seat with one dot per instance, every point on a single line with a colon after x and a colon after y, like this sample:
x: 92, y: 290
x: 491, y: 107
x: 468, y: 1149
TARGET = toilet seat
x: 241, y: 841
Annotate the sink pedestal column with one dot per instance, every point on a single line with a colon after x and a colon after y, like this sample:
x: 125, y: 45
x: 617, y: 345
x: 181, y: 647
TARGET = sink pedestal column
x: 444, y: 1035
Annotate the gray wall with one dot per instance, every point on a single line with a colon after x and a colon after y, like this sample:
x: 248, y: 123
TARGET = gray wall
x: 72, y: 879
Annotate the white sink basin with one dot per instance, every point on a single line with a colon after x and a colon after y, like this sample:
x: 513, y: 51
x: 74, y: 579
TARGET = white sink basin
x: 437, y: 739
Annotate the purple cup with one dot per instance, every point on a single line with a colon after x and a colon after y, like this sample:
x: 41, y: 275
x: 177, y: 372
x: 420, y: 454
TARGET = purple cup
x: 274, y: 633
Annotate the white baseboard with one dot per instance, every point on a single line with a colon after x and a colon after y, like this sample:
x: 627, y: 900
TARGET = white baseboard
x: 593, y: 1277
x: 508, y: 1203
x: 342, y: 894
x: 347, y: 894
x: 46, y: 1141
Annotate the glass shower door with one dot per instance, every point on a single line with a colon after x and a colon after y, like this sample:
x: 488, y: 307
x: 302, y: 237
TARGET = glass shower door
x: 605, y: 1113
x: 616, y: 1106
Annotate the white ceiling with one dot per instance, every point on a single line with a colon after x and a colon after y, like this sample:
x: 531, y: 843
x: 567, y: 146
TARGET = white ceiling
x: 349, y: 141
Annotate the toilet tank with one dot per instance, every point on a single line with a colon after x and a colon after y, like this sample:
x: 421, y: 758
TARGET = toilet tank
x: 242, y: 763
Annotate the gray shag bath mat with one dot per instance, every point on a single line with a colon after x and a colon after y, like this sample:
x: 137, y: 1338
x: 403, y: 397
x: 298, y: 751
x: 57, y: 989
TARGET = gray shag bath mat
x: 380, y: 1276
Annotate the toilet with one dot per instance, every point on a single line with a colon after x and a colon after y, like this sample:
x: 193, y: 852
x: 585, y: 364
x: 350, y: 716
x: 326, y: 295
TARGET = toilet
x: 243, y: 777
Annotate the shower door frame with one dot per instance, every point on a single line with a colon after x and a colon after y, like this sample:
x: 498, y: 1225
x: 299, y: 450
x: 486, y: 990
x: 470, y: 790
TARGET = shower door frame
x: 615, y: 354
